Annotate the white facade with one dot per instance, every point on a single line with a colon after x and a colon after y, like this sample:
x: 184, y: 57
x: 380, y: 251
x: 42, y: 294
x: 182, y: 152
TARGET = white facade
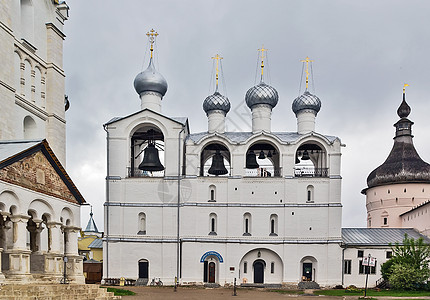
x: 278, y: 223
x: 31, y: 76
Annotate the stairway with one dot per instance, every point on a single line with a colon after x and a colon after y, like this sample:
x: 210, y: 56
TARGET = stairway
x: 35, y: 291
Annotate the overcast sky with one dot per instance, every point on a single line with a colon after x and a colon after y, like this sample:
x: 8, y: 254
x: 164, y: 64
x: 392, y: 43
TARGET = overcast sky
x: 363, y: 52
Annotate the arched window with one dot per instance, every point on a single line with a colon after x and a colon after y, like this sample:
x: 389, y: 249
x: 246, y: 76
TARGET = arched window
x: 272, y: 267
x: 27, y: 80
x: 310, y: 193
x: 38, y: 87
x: 273, y: 225
x: 30, y: 128
x: 247, y: 224
x: 17, y: 75
x: 142, y: 223
x: 212, y: 193
x: 212, y: 224
x: 311, y: 160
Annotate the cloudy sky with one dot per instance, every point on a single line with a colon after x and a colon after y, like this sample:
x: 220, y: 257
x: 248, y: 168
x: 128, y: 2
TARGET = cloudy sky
x: 363, y: 52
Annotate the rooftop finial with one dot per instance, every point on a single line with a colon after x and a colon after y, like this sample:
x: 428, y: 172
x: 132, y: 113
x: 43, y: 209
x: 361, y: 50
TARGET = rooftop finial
x: 404, y: 88
x: 152, y: 35
x: 307, y: 61
x: 91, y: 213
x: 218, y: 58
x: 262, y: 60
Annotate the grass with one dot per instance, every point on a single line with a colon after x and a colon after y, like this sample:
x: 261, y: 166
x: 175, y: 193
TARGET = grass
x: 372, y: 292
x: 120, y: 292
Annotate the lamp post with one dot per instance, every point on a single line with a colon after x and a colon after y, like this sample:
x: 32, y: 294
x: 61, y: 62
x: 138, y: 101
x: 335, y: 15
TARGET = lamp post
x: 64, y: 280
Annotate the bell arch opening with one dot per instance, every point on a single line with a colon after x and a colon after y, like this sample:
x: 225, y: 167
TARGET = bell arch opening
x: 147, y: 152
x: 262, y: 160
x: 215, y: 160
x: 311, y: 161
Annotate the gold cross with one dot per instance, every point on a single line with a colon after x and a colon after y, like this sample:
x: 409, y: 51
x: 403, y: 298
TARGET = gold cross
x: 152, y: 34
x: 262, y: 59
x: 218, y: 58
x: 404, y: 87
x: 307, y: 61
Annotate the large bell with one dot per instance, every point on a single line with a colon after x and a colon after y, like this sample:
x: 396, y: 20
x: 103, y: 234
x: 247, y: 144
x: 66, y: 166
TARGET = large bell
x: 217, y: 167
x: 151, y: 161
x: 251, y: 160
x: 305, y: 155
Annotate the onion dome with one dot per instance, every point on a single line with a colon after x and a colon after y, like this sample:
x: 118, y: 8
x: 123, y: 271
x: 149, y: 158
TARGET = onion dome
x: 403, y: 164
x: 150, y: 80
x: 216, y: 101
x: 261, y: 94
x: 306, y: 101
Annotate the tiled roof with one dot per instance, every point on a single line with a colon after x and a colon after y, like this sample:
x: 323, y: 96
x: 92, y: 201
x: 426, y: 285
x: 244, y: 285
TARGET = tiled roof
x: 378, y: 236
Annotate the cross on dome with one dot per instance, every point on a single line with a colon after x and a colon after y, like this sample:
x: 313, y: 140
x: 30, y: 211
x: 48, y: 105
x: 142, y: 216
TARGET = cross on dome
x: 307, y: 61
x: 152, y: 35
x: 218, y: 58
x: 262, y: 49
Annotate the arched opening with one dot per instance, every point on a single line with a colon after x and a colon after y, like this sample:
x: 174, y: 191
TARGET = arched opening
x: 310, y: 193
x: 247, y: 224
x: 38, y: 87
x: 259, y: 265
x: 143, y: 269
x: 30, y: 128
x: 147, y: 152
x: 17, y: 74
x: 311, y: 161
x: 211, y: 268
x: 142, y: 223
x: 212, y: 224
x: 384, y: 219
x: 212, y: 193
x: 215, y: 160
x: 273, y: 225
x: 309, y: 268
x: 262, y: 160
x: 27, y: 80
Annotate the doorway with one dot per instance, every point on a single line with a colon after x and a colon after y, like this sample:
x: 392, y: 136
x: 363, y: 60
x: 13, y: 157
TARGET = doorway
x: 143, y: 269
x: 259, y: 271
x: 307, y: 271
x: 211, y: 272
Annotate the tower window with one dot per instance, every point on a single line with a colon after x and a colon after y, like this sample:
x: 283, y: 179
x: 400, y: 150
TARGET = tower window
x: 272, y: 267
x: 273, y: 225
x: 245, y: 267
x: 212, y: 224
x: 247, y: 224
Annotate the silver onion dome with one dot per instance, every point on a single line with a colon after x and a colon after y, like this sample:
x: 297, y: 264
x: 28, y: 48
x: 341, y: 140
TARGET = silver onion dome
x: 216, y: 101
x: 306, y: 101
x: 150, y: 80
x: 261, y: 94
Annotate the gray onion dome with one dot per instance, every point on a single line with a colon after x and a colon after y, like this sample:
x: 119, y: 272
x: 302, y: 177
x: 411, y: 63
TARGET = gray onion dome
x: 150, y: 80
x: 261, y: 94
x: 216, y: 101
x: 306, y: 101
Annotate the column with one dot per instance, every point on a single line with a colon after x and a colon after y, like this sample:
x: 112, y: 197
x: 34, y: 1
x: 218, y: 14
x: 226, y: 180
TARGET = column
x: 75, y: 268
x: 19, y: 255
x: 54, y: 257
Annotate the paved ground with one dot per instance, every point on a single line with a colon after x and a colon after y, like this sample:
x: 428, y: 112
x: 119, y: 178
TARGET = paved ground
x: 167, y: 293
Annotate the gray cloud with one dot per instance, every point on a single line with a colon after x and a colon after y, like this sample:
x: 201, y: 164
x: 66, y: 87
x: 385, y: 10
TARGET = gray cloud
x: 363, y: 50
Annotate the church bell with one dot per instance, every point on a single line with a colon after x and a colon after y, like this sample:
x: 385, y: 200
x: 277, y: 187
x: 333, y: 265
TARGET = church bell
x: 251, y: 160
x: 305, y: 155
x: 217, y: 167
x: 151, y: 161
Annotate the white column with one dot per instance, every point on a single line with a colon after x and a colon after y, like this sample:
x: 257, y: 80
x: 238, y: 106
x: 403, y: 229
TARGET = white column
x: 71, y: 240
x: 19, y: 231
x: 151, y: 100
x: 55, y: 238
x: 216, y: 121
x: 261, y: 118
x: 305, y: 121
x: 74, y: 271
x: 19, y: 255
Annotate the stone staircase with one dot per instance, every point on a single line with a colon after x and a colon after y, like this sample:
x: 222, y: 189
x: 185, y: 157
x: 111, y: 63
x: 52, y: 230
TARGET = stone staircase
x: 34, y: 291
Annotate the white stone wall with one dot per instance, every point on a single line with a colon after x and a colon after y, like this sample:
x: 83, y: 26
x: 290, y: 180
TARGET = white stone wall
x: 31, y: 77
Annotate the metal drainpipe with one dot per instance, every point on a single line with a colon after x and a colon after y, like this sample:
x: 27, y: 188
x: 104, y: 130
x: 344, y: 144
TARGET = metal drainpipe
x: 179, y: 199
x: 107, y: 200
x: 343, y: 264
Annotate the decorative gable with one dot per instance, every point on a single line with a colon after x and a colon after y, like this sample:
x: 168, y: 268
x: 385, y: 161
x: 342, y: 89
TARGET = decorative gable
x: 35, y: 172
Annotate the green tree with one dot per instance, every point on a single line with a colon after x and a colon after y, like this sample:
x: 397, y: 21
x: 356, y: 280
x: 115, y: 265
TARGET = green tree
x: 409, y: 266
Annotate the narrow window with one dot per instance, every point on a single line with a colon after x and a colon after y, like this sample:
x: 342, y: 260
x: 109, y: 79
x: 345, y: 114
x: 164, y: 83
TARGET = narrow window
x: 212, y: 224
x: 389, y: 254
x: 247, y: 224
x: 361, y: 268
x: 360, y: 253
x: 310, y: 193
x: 245, y: 267
x: 273, y: 225
x: 142, y: 224
x: 347, y: 267
x: 385, y: 221
x: 212, y: 195
x: 272, y: 267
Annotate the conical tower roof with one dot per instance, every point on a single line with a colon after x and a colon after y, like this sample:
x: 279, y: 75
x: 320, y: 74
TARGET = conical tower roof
x: 403, y: 164
x: 91, y: 226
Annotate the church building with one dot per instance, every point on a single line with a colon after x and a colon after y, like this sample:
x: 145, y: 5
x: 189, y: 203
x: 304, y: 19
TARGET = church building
x: 208, y: 207
x: 39, y: 203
